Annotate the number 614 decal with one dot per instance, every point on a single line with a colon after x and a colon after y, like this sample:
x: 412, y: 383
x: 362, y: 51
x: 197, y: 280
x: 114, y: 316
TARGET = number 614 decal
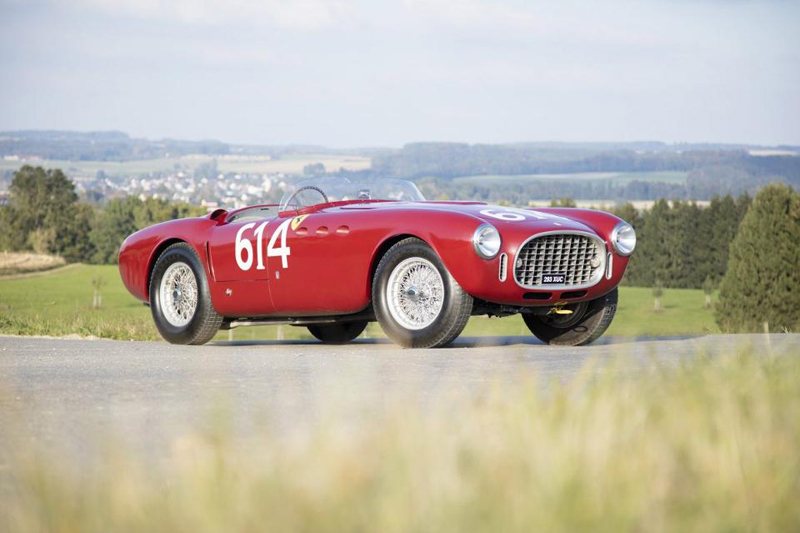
x: 244, y: 250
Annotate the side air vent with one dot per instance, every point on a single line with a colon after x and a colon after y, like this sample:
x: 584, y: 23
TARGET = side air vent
x: 503, y: 267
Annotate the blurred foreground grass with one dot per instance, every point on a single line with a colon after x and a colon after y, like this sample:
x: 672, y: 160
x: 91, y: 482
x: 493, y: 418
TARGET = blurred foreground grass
x: 706, y: 444
x: 60, y: 304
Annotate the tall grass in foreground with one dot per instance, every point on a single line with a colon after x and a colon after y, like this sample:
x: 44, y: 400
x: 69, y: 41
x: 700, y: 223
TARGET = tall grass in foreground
x: 710, y: 444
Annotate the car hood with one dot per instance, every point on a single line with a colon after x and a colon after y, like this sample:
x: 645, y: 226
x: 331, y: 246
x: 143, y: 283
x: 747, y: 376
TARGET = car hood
x: 503, y: 218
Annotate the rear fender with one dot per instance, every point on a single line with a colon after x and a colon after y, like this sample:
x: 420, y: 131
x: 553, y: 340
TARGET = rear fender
x: 139, y: 251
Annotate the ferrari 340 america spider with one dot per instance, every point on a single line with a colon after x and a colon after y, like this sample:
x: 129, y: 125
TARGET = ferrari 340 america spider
x: 336, y: 254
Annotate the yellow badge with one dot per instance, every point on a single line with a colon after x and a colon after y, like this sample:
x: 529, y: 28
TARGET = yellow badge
x: 297, y: 220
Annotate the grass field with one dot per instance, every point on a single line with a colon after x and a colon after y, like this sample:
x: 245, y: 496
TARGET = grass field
x: 619, y: 178
x: 289, y: 164
x: 706, y: 444
x: 61, y: 304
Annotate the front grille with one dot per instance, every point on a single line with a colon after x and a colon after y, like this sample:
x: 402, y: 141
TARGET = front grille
x: 559, y: 254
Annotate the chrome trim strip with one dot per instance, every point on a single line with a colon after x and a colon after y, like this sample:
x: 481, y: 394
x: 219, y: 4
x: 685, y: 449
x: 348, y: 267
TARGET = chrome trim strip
x: 610, y: 267
x: 595, y: 277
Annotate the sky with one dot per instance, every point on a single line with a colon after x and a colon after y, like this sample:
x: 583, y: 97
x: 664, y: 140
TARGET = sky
x: 348, y: 73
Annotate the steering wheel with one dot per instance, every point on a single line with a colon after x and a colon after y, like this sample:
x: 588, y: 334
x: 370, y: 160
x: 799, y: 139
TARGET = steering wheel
x: 310, y: 188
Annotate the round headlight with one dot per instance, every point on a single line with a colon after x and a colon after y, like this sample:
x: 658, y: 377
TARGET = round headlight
x: 486, y: 241
x: 624, y: 238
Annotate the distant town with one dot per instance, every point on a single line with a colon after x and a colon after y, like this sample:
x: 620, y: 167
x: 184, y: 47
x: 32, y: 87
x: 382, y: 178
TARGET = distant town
x: 108, y: 165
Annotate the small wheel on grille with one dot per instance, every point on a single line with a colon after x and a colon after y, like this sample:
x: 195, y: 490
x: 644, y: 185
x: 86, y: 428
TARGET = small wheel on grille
x: 587, y: 322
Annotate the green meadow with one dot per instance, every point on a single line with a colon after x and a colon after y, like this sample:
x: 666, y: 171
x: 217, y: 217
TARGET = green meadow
x: 60, y: 304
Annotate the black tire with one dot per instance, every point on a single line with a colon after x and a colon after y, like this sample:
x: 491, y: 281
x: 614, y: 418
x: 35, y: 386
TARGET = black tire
x: 205, y: 322
x: 456, y: 304
x: 338, y: 333
x: 588, y: 322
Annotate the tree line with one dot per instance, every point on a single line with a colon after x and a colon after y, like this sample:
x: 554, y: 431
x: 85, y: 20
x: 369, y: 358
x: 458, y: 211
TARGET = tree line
x: 701, y: 184
x: 710, y: 171
x: 450, y: 160
x: 45, y: 215
x: 521, y: 192
x: 680, y: 244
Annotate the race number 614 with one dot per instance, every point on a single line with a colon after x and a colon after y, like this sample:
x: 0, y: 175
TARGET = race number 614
x: 244, y: 249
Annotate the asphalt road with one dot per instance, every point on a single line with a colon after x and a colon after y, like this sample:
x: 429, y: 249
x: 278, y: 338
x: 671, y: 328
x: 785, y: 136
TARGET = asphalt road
x: 76, y: 393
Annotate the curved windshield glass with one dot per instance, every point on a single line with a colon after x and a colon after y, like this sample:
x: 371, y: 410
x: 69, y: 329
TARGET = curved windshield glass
x: 306, y: 193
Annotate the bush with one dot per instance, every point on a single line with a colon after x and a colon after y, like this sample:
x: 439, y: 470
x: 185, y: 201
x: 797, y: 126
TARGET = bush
x: 41, y: 240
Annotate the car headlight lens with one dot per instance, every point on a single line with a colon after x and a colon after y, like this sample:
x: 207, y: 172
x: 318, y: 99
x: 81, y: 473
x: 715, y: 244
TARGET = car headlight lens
x: 486, y: 241
x: 624, y: 238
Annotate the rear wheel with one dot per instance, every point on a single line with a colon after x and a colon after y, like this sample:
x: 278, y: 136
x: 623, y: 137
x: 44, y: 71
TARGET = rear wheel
x: 338, y: 333
x: 585, y: 324
x: 180, y: 299
x: 417, y: 302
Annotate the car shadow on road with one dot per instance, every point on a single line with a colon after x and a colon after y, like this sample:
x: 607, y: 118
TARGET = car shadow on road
x: 461, y: 342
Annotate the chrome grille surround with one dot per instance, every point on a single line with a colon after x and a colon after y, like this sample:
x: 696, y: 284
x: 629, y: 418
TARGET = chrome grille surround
x: 565, y: 252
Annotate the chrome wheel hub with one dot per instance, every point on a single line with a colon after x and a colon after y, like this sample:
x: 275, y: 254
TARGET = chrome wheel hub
x: 415, y: 293
x: 178, y: 292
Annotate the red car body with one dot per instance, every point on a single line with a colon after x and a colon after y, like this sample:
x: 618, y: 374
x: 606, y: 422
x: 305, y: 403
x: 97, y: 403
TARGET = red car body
x: 331, y: 250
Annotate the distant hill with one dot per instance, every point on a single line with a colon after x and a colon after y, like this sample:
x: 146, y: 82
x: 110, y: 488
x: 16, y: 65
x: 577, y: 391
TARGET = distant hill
x: 119, y: 146
x: 590, y: 170
x: 98, y: 146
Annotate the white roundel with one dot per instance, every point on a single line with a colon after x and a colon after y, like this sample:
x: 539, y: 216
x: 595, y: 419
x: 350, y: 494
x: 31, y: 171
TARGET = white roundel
x: 508, y: 216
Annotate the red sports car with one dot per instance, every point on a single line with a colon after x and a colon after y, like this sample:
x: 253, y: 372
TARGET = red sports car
x: 335, y: 255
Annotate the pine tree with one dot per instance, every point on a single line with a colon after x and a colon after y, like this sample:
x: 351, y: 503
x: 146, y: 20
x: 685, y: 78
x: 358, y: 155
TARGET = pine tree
x: 653, y: 262
x: 762, y: 284
x: 686, y: 241
x: 722, y: 219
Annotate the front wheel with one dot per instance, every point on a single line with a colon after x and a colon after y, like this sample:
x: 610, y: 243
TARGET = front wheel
x: 586, y: 322
x: 180, y: 299
x: 338, y: 333
x: 417, y: 302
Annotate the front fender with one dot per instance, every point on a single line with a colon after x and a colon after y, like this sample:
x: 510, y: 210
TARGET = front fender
x: 481, y: 278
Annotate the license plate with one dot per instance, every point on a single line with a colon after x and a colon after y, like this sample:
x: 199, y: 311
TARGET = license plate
x: 554, y: 278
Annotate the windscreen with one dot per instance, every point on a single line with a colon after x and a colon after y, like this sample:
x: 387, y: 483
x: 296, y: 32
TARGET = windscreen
x: 314, y: 191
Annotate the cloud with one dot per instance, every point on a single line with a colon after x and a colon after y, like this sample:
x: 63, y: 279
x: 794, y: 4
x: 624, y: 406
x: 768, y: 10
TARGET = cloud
x: 617, y: 22
x: 350, y: 72
x: 288, y: 14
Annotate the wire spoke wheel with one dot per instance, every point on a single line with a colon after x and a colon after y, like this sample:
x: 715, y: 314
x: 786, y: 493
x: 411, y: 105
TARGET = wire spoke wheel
x: 415, y: 293
x: 416, y: 301
x: 178, y: 293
